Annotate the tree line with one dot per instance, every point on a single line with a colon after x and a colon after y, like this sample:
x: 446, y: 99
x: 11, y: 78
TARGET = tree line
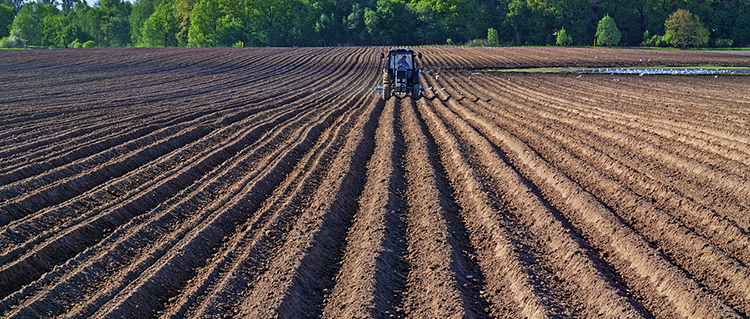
x: 203, y: 23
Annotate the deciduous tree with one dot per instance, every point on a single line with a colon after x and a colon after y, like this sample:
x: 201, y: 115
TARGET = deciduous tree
x: 204, y: 24
x: 161, y: 27
x: 492, y: 37
x: 607, y: 33
x: 6, y: 18
x: 142, y: 10
x: 685, y: 29
x: 563, y: 38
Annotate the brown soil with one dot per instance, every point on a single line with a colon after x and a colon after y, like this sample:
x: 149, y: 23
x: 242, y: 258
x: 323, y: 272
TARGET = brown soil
x: 274, y: 182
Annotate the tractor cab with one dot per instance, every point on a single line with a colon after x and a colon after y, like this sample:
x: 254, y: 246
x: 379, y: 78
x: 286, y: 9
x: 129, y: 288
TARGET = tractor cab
x: 401, y: 74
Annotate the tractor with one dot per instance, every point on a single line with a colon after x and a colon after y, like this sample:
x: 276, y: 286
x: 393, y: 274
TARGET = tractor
x: 401, y: 74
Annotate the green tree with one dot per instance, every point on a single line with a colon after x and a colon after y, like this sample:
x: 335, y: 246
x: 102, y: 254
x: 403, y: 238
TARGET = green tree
x: 114, y: 23
x: 183, y: 11
x: 57, y: 31
x: 391, y: 23
x: 17, y: 4
x: 7, y: 14
x: 89, y: 21
x: 161, y: 27
x: 67, y: 5
x: 492, y: 37
x: 355, y: 26
x: 563, y: 38
x: 204, y: 26
x: 28, y: 27
x: 685, y: 29
x: 13, y: 41
x: 142, y: 10
x: 607, y: 33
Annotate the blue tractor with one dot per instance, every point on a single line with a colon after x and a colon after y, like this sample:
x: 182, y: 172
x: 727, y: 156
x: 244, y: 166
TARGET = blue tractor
x: 401, y: 74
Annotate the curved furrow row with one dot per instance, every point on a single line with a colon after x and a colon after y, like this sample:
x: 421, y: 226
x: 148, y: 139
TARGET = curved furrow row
x: 227, y: 271
x: 275, y: 183
x: 635, y: 153
x: 707, y: 263
x: 292, y: 280
x: 246, y: 140
x: 513, y: 285
x: 440, y: 281
x: 99, y: 222
x: 240, y: 115
x: 230, y: 213
x: 158, y: 274
x: 374, y: 269
x: 729, y: 234
x: 563, y: 119
x: 227, y: 274
x: 572, y: 200
x: 75, y: 184
x: 561, y: 253
x: 259, y: 79
x: 663, y: 135
x: 663, y: 106
x: 27, y: 159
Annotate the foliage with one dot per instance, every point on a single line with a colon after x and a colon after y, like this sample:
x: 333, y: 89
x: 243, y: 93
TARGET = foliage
x: 142, y: 10
x: 67, y: 5
x: 204, y: 29
x: 7, y: 14
x: 160, y: 28
x: 492, y: 37
x: 57, y: 31
x: 27, y: 26
x: 367, y: 22
x: 13, y: 41
x: 533, y: 22
x: 563, y: 38
x: 657, y: 41
x: 685, y: 29
x: 607, y: 33
x: 17, y: 4
x: 478, y: 43
x: 89, y: 44
x: 724, y: 43
x: 75, y: 44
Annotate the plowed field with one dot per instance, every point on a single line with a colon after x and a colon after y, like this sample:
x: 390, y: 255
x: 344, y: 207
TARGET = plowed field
x: 274, y: 182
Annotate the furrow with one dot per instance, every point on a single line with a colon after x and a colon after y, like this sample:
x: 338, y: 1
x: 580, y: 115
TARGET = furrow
x: 706, y: 196
x: 722, y: 232
x: 374, y: 269
x: 254, y: 246
x: 606, y: 230
x: 510, y: 288
x: 290, y: 114
x: 303, y: 265
x: 439, y: 281
x: 587, y: 277
x: 81, y: 234
x: 699, y: 257
x: 152, y: 281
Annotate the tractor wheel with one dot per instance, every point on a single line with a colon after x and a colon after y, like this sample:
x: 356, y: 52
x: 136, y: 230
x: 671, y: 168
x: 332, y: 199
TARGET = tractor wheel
x: 386, y: 86
x: 415, y: 93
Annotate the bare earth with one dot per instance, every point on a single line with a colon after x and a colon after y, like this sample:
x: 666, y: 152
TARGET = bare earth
x: 274, y: 182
